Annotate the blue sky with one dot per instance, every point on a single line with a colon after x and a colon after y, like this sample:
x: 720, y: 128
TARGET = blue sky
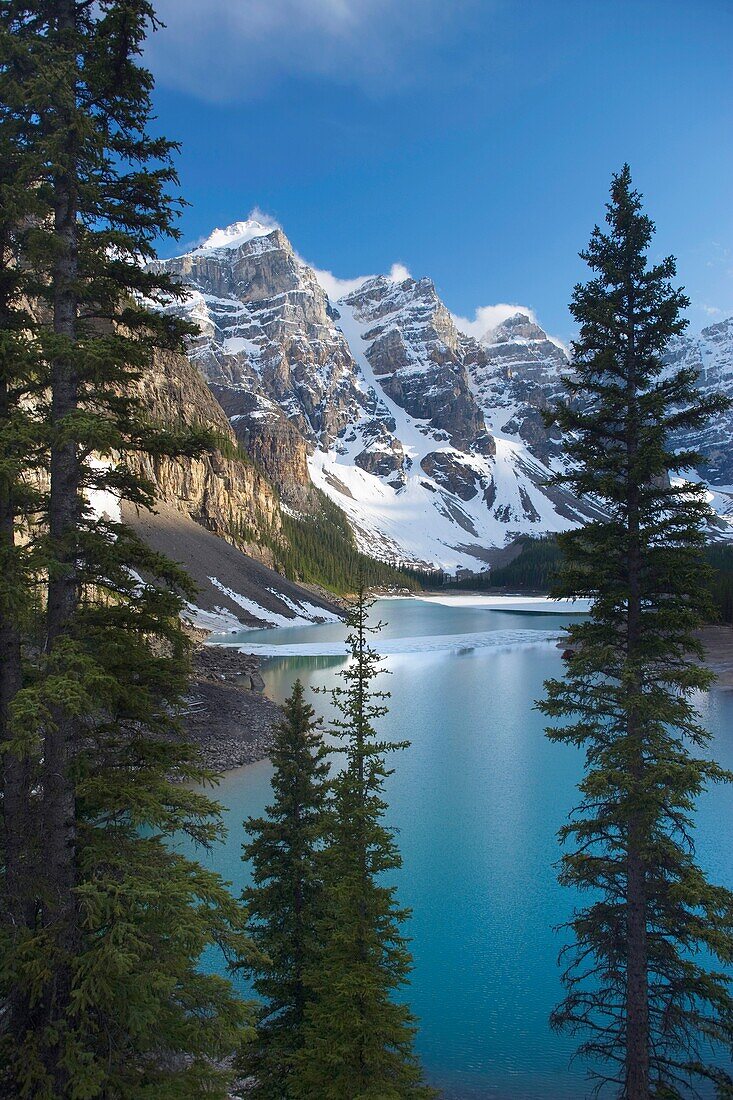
x: 470, y: 140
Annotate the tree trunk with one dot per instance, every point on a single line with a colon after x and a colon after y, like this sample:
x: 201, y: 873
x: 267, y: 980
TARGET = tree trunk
x: 16, y: 805
x: 14, y: 770
x: 64, y: 515
x: 637, y: 991
x: 637, y: 976
x: 59, y: 804
x: 15, y: 779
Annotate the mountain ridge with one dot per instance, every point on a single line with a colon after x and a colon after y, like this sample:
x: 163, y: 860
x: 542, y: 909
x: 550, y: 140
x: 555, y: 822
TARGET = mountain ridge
x: 430, y: 440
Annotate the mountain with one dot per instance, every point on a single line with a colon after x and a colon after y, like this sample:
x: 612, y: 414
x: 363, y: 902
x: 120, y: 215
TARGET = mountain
x: 376, y: 399
x: 711, y: 353
x: 517, y: 376
x: 431, y: 441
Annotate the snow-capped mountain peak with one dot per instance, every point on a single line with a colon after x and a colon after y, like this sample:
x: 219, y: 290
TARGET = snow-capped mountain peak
x: 431, y: 441
x: 237, y: 234
x: 518, y: 327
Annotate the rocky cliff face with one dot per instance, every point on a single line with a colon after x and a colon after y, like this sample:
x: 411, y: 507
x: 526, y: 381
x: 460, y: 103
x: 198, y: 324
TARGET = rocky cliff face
x: 516, y: 372
x: 220, y: 490
x: 418, y: 357
x: 432, y: 442
x: 267, y: 329
x: 271, y: 440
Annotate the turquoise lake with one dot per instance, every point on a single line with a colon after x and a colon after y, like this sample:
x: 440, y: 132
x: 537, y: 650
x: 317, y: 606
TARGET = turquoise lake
x: 477, y: 800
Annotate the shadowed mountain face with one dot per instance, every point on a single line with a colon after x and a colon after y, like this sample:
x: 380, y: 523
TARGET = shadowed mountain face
x: 710, y: 353
x: 432, y: 442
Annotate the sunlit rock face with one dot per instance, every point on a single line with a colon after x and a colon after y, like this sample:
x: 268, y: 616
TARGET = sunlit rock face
x: 219, y: 490
x: 418, y: 357
x: 516, y: 371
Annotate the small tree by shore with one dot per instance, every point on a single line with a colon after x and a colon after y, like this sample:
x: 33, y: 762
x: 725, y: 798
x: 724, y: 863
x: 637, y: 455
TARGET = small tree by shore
x: 358, y: 1040
x: 285, y: 898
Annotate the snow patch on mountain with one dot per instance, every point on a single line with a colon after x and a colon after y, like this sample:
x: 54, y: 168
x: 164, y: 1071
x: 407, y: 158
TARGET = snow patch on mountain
x: 413, y: 516
x: 304, y: 613
x: 239, y: 233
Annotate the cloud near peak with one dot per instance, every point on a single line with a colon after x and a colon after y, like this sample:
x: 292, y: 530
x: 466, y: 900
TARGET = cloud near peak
x: 337, y: 288
x: 220, y: 50
x: 488, y: 317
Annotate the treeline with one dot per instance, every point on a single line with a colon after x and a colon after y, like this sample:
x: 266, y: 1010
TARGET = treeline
x: 537, y: 568
x: 719, y: 557
x: 320, y: 548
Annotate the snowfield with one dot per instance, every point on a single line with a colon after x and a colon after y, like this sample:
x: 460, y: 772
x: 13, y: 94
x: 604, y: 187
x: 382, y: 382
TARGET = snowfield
x: 420, y: 522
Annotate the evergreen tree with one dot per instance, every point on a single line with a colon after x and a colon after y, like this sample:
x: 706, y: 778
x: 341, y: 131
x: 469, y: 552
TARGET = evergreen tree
x: 21, y: 455
x: 638, y: 982
x: 284, y: 901
x: 105, y: 941
x: 358, y: 1042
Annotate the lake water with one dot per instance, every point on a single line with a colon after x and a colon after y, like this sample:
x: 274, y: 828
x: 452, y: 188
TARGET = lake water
x: 477, y: 800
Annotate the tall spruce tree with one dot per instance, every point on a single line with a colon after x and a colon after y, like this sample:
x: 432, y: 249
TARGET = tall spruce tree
x: 284, y: 900
x: 21, y: 458
x: 110, y: 927
x: 638, y: 978
x: 358, y: 1041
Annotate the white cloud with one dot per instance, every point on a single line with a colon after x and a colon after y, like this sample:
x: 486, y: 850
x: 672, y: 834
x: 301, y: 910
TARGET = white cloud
x: 337, y: 288
x: 488, y: 317
x: 260, y: 216
x: 712, y: 311
x: 238, y: 49
x: 398, y: 273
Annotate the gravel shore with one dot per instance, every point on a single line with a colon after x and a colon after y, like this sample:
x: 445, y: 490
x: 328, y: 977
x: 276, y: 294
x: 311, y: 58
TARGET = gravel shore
x: 227, y: 715
x: 718, y: 642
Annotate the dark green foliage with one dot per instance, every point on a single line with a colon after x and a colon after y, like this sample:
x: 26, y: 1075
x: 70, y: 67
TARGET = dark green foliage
x: 534, y: 568
x: 100, y: 992
x: 320, y: 549
x: 638, y: 984
x: 285, y: 898
x: 358, y: 1040
x: 21, y: 455
x: 719, y: 557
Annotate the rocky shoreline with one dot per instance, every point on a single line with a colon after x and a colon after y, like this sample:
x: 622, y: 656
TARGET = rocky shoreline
x: 718, y: 642
x: 226, y: 713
